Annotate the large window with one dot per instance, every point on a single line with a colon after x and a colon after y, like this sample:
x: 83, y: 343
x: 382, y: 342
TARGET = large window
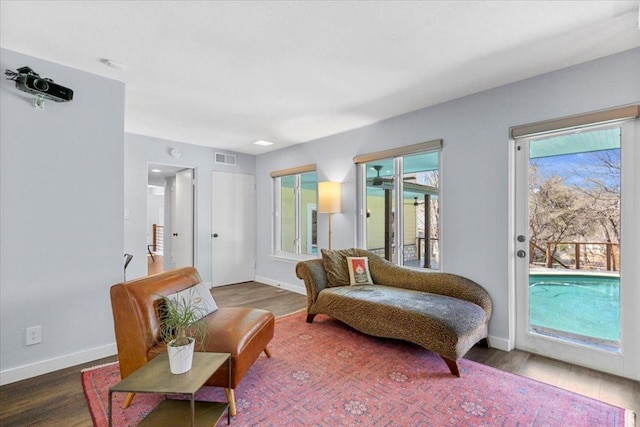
x: 400, y: 198
x: 295, y: 201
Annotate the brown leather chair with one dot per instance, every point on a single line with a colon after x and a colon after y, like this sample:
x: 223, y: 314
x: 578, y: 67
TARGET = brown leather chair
x: 242, y: 332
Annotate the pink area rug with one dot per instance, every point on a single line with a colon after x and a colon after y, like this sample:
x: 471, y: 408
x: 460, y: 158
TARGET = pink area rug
x: 326, y: 374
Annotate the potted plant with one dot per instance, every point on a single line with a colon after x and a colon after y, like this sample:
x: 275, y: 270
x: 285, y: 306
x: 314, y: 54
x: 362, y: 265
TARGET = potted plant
x: 182, y: 324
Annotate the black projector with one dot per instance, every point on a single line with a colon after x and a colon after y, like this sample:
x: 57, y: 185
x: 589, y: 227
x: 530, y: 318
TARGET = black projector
x: 46, y: 88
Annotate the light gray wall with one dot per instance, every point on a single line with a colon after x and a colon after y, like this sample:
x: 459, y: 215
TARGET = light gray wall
x: 474, y: 169
x: 139, y: 152
x: 61, y: 220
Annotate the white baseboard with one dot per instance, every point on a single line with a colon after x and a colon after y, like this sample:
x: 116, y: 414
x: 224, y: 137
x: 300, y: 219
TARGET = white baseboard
x: 46, y: 366
x: 500, y: 343
x: 286, y: 286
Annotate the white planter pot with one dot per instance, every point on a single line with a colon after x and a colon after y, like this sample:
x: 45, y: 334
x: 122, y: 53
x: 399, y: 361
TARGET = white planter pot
x: 180, y: 358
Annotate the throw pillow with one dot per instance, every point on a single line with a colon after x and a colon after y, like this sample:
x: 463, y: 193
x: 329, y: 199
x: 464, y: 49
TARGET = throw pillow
x: 359, y: 271
x: 335, y: 264
x: 198, y: 296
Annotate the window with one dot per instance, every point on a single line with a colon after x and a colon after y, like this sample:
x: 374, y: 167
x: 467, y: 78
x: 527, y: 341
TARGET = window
x: 400, y: 214
x: 295, y: 201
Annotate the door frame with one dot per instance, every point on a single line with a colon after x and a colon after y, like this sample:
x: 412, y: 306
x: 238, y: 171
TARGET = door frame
x: 624, y: 362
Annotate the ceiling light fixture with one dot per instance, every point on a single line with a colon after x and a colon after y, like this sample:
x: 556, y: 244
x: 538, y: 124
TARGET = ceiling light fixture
x: 156, y: 170
x: 263, y: 143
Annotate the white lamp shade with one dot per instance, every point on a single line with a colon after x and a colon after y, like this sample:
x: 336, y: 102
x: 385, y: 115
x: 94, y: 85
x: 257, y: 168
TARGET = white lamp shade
x: 329, y: 197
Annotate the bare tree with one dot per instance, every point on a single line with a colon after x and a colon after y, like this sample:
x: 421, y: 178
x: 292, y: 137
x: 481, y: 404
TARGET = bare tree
x: 601, y: 176
x: 583, y: 205
x: 557, y: 212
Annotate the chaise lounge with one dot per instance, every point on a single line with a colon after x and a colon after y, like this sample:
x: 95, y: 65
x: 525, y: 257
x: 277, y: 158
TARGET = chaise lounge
x: 444, y: 313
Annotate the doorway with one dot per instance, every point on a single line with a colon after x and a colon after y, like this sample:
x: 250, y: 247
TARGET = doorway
x: 170, y: 220
x: 573, y: 197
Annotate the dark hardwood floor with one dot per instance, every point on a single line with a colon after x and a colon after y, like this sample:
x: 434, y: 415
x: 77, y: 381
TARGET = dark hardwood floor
x: 57, y: 399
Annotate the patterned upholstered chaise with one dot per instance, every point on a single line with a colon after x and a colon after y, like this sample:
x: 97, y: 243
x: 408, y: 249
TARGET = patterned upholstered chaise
x: 441, y: 312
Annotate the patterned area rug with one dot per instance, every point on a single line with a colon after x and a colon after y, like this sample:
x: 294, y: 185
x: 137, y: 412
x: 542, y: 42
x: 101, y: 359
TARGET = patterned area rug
x: 326, y: 374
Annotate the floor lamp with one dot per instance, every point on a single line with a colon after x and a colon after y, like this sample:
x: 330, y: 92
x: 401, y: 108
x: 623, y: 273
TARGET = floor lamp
x: 329, y: 200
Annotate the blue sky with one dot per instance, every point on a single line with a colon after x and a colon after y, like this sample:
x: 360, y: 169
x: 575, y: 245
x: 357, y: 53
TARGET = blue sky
x: 565, y: 166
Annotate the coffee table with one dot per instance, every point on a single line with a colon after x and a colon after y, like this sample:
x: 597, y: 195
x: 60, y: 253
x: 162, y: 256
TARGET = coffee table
x: 155, y: 377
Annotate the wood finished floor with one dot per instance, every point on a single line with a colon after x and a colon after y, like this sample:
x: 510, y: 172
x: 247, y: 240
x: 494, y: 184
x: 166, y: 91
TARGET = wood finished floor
x: 57, y: 399
x: 154, y: 265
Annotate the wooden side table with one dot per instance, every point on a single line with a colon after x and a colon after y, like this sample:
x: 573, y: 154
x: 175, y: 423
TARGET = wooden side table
x: 155, y: 377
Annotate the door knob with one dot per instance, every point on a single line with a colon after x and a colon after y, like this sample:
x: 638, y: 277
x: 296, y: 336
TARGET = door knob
x: 215, y: 234
x: 175, y: 234
x: 521, y: 238
x: 521, y: 253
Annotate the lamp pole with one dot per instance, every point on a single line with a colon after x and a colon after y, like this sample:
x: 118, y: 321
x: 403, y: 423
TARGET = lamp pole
x: 329, y: 230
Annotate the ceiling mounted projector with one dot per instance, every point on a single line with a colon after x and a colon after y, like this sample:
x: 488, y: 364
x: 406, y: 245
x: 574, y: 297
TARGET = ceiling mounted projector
x: 29, y: 81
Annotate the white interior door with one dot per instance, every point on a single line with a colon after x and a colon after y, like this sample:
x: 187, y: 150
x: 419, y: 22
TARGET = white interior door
x: 183, y: 220
x: 232, y: 225
x: 576, y: 247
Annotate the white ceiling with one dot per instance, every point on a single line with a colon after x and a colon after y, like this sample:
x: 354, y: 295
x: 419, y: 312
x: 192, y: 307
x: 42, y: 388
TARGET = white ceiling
x: 225, y: 74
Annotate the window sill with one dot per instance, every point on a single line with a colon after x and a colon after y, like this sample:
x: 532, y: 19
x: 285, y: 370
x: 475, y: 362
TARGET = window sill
x: 292, y: 258
x: 430, y: 270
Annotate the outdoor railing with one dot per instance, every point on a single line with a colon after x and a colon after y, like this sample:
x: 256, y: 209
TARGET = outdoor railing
x: 596, y: 255
x: 415, y: 252
x: 158, y: 238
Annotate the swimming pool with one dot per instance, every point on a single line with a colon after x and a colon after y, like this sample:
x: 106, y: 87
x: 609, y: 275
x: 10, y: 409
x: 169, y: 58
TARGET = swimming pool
x: 581, y: 306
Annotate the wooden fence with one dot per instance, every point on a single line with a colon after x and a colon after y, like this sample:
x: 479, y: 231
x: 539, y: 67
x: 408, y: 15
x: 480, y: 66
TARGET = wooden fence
x: 582, y: 255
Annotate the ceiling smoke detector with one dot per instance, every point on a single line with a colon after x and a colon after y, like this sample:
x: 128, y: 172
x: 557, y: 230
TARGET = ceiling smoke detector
x: 115, y: 64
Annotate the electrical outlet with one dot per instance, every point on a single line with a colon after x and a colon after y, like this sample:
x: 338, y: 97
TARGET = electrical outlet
x: 34, y: 335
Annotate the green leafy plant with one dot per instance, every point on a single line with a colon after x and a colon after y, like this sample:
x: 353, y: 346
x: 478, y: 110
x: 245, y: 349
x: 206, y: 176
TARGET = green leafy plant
x: 182, y: 318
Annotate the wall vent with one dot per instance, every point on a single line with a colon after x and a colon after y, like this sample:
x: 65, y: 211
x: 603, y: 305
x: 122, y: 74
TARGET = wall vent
x: 226, y: 159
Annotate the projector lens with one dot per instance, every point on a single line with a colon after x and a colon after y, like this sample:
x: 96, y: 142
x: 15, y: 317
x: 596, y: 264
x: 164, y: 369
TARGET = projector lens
x: 41, y: 85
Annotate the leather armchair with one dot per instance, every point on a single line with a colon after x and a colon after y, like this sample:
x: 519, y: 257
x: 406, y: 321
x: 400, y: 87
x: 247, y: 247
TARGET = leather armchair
x: 242, y: 332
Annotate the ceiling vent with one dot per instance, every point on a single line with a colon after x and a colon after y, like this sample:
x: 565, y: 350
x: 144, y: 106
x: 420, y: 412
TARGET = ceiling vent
x: 226, y: 159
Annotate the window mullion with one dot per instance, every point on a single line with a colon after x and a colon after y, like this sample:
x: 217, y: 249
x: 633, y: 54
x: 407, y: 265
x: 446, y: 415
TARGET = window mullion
x: 398, y: 226
x: 361, y: 183
x: 298, y: 215
x: 277, y: 214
